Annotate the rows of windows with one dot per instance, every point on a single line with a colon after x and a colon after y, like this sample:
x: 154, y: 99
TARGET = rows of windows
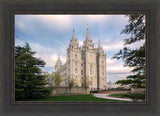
x: 76, y: 64
x: 91, y: 66
x: 102, y: 70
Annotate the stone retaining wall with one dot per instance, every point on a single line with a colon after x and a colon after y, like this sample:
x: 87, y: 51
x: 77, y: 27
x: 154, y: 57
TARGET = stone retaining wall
x: 137, y: 90
x: 74, y: 90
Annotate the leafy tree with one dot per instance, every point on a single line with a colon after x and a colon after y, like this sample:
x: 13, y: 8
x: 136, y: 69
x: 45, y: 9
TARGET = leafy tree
x: 71, y: 84
x: 135, y: 58
x: 29, y: 81
x: 49, y: 78
x: 57, y: 79
x: 75, y: 82
x: 86, y: 82
x: 53, y: 79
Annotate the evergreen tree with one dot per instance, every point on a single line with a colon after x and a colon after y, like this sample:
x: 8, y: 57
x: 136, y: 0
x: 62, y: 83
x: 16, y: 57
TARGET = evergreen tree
x: 29, y: 80
x: 135, y: 58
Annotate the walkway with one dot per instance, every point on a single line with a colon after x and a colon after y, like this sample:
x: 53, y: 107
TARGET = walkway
x: 106, y: 96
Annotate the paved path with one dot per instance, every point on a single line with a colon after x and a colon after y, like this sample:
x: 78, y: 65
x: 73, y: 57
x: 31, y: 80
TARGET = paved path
x: 106, y: 96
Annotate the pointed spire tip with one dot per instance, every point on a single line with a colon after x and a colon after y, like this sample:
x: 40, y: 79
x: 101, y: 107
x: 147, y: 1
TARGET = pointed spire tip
x: 99, y: 44
x: 87, y: 27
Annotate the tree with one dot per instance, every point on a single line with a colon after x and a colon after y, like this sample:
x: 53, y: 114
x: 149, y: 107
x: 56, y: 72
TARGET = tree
x: 71, y: 84
x: 86, y: 82
x: 57, y: 79
x: 49, y: 78
x: 75, y: 82
x: 53, y: 79
x: 135, y: 58
x: 29, y: 80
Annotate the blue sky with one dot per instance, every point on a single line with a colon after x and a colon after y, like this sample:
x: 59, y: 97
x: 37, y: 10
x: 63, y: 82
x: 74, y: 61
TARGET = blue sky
x: 49, y: 35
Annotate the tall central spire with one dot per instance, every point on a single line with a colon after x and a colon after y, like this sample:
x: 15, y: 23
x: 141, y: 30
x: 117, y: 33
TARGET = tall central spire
x: 99, y: 44
x: 73, y: 36
x: 87, y: 35
x: 87, y: 27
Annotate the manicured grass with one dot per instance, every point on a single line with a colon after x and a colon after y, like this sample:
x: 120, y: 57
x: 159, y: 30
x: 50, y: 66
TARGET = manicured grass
x: 120, y: 95
x: 86, y: 97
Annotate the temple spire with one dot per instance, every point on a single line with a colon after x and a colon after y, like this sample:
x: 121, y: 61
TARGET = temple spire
x: 73, y: 36
x: 99, y: 44
x: 58, y: 64
x: 87, y: 35
x: 59, y: 60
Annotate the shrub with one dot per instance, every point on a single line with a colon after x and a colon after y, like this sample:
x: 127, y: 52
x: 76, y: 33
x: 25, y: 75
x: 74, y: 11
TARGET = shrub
x: 136, y: 96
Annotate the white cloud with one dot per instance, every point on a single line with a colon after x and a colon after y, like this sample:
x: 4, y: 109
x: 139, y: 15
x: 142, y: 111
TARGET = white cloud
x: 80, y: 43
x: 119, y: 19
x: 101, y: 19
x: 96, y: 18
x: 116, y: 67
x: 109, y: 45
x: 62, y: 21
x: 33, y: 23
x: 137, y: 44
x: 115, y: 77
x: 116, y: 70
x: 113, y: 45
x: 48, y: 54
x: 110, y: 61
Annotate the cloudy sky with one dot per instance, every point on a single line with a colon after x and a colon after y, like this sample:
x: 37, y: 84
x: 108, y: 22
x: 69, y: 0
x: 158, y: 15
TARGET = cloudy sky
x: 49, y: 35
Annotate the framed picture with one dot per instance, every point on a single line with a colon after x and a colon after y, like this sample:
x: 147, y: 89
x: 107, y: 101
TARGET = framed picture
x: 79, y: 58
x: 83, y: 69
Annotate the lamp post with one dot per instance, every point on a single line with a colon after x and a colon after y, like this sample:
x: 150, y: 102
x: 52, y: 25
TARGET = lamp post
x: 66, y: 87
x: 91, y: 85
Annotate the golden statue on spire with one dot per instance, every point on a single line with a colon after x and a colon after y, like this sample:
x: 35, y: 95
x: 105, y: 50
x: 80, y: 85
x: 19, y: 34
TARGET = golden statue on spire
x: 87, y: 26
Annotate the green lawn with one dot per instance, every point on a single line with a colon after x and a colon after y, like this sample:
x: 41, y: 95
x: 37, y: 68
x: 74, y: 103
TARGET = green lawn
x: 73, y: 98
x: 140, y: 96
x: 120, y: 95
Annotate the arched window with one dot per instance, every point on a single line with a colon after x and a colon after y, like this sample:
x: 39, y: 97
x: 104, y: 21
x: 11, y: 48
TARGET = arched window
x: 76, y: 70
x: 103, y: 73
x: 76, y: 64
x: 102, y: 62
x: 76, y: 56
x: 91, y: 69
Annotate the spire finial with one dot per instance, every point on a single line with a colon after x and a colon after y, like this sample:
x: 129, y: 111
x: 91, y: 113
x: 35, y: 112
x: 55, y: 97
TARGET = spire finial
x: 73, y: 30
x: 87, y: 35
x: 87, y: 27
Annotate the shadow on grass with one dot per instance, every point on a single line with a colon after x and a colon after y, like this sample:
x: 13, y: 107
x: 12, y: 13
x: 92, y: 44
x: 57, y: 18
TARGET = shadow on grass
x: 86, y: 97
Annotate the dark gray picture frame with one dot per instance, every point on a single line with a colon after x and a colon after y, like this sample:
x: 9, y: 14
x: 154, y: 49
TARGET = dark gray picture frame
x: 7, y: 10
